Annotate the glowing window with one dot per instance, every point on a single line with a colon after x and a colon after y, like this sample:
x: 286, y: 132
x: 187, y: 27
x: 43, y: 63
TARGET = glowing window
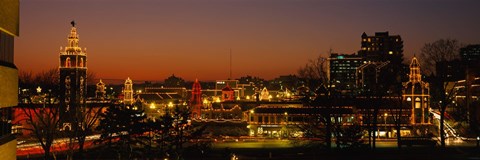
x: 81, y: 62
x: 417, y: 99
x: 418, y: 104
x: 67, y: 62
x: 409, y: 99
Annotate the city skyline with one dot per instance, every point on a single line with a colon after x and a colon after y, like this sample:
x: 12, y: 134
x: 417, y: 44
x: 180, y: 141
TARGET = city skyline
x: 142, y: 39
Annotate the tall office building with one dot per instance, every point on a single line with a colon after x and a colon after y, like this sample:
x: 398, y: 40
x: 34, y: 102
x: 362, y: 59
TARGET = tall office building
x: 470, y: 53
x: 382, y: 47
x: 470, y: 56
x: 9, y: 28
x: 342, y: 71
x: 387, y: 51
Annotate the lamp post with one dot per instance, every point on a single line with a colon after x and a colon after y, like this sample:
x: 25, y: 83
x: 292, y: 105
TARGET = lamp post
x: 286, y: 123
x: 250, y: 115
x: 385, y: 120
x: 478, y: 141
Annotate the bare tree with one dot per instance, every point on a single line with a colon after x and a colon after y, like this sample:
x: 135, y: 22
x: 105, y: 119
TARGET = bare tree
x: 442, y: 50
x: 43, y: 123
x: 86, y: 120
x: 315, y: 72
x: 25, y: 78
x: 91, y: 77
x: 47, y: 80
x: 434, y: 54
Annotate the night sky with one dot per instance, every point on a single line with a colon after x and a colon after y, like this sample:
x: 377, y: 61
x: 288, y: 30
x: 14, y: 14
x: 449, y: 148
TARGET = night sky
x: 153, y: 39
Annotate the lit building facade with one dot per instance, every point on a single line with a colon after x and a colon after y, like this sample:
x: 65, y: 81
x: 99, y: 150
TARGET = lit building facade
x: 470, y: 56
x: 228, y: 94
x: 417, y: 95
x: 100, y: 92
x: 342, y: 71
x: 9, y: 28
x: 367, y: 76
x: 128, y: 92
x: 466, y: 100
x: 73, y: 77
x: 381, y: 47
x: 196, y: 100
x: 470, y: 53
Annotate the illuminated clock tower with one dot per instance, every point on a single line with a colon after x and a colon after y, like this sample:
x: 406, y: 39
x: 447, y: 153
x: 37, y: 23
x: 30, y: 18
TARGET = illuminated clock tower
x: 73, y: 78
x: 196, y: 100
x: 416, y: 93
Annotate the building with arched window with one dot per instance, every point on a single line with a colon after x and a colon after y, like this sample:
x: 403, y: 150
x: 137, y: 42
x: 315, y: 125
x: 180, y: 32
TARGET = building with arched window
x: 73, y: 77
x: 416, y: 95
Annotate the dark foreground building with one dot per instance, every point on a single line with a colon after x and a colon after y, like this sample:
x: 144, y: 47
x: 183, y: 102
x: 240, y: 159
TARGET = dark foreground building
x: 9, y: 28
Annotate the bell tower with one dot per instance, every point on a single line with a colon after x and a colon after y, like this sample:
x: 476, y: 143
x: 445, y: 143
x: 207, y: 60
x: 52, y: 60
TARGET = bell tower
x: 73, y: 77
x: 416, y: 93
x: 128, y: 92
x: 196, y: 100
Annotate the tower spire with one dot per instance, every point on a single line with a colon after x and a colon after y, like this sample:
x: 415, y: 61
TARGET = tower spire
x: 73, y: 78
x: 415, y: 75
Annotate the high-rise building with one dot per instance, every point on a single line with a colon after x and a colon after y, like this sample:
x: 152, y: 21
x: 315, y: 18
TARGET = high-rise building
x: 342, y: 71
x: 470, y: 56
x: 9, y: 28
x: 382, y: 47
x: 470, y: 53
x: 386, y: 51
x: 73, y: 77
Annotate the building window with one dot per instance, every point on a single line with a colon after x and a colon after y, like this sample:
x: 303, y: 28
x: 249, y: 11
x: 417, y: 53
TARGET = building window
x: 6, y: 47
x: 418, y: 104
x: 5, y: 121
x: 67, y: 62
x: 81, y: 62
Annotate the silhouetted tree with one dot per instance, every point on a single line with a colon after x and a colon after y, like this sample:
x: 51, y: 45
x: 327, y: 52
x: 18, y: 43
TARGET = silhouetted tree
x: 47, y: 80
x: 86, y: 120
x: 122, y: 127
x: 314, y: 72
x: 349, y: 136
x: 442, y: 50
x: 43, y: 122
x: 432, y: 55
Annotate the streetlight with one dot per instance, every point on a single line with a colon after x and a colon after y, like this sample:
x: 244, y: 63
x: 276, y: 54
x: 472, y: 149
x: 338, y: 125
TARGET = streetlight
x: 250, y: 117
x: 286, y: 124
x: 385, y: 118
x: 478, y: 141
